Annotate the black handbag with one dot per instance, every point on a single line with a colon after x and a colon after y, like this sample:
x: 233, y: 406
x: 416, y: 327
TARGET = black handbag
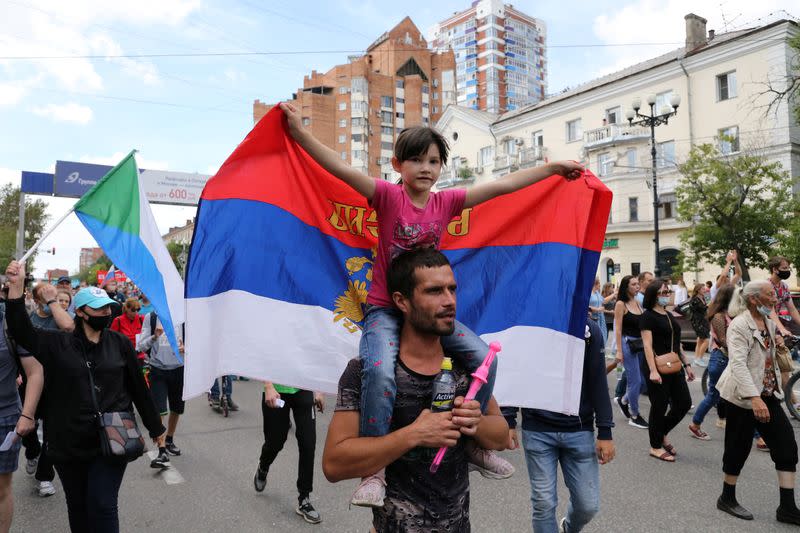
x: 635, y: 344
x: 119, y: 434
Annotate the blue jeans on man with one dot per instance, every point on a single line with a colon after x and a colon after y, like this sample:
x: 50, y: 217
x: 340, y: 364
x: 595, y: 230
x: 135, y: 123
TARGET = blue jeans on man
x: 575, y: 451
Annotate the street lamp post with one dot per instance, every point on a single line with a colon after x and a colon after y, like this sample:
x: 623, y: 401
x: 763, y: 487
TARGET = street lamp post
x: 652, y: 120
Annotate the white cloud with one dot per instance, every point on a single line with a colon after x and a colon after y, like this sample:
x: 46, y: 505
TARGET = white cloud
x: 80, y: 28
x: 233, y: 75
x: 71, y: 112
x: 116, y: 157
x: 661, y: 24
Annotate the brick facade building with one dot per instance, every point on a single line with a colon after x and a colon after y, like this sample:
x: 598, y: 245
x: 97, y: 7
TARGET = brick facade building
x: 358, y: 108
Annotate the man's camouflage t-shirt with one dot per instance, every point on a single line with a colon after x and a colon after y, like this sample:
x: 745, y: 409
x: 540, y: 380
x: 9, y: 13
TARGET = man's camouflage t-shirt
x: 416, y: 500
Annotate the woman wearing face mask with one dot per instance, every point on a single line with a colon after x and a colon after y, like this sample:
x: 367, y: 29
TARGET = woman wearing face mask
x: 64, y: 299
x: 661, y: 336
x: 752, y: 387
x: 698, y: 306
x: 90, y: 480
x: 786, y: 317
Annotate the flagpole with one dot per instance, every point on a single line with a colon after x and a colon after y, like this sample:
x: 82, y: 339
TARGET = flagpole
x: 43, y: 237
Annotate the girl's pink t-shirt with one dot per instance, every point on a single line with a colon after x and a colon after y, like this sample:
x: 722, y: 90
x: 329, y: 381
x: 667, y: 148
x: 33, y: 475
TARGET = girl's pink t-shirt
x: 402, y: 226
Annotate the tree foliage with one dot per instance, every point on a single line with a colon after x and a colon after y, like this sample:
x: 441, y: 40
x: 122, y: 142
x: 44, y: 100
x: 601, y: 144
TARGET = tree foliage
x: 36, y: 218
x: 733, y: 202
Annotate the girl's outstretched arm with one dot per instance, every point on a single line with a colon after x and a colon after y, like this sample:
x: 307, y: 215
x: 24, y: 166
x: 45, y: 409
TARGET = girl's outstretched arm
x: 520, y: 179
x: 327, y: 158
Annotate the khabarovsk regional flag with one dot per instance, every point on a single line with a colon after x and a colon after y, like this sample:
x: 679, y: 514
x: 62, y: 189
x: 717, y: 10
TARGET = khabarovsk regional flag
x: 281, y: 262
x: 117, y: 214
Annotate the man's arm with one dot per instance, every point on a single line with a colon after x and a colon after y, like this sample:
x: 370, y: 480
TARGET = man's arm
x: 349, y: 456
x: 34, y: 373
x: 327, y: 158
x: 520, y: 179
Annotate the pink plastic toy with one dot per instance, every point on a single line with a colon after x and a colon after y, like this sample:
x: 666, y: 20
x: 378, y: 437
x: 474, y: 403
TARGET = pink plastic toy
x: 478, y: 381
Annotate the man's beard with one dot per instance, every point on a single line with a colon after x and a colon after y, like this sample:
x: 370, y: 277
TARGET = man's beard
x: 428, y: 324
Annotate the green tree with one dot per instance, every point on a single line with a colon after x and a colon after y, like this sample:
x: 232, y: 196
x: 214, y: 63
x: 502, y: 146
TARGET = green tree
x: 175, y: 250
x: 36, y: 218
x: 740, y: 202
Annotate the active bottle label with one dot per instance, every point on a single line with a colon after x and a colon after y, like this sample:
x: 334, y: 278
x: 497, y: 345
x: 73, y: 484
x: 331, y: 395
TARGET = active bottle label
x: 443, y: 401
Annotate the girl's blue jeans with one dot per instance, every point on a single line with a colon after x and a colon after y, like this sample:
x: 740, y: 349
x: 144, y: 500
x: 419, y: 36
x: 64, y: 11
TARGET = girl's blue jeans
x: 631, y: 361
x: 716, y: 365
x: 378, y: 350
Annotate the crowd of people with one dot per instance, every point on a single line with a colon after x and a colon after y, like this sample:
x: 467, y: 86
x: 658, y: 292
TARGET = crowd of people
x: 85, y: 357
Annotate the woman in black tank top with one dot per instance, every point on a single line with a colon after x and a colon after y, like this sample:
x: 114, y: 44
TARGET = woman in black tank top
x: 627, y: 313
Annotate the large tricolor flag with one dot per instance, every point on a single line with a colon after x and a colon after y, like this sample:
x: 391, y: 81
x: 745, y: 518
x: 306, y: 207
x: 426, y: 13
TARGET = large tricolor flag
x: 117, y: 214
x: 281, y: 262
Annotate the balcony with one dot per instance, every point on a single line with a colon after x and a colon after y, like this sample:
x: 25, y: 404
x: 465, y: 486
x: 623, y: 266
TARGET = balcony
x: 505, y: 162
x: 613, y: 134
x: 531, y: 157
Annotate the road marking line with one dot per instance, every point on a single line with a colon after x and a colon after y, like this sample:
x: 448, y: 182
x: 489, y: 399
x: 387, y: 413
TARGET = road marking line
x: 170, y: 475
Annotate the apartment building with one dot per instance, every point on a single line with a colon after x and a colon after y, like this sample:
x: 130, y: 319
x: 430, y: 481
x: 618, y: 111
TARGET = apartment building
x: 358, y: 108
x: 88, y: 257
x: 720, y: 79
x: 500, y: 53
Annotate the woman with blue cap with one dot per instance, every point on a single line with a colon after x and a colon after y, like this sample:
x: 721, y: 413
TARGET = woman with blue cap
x: 88, y: 370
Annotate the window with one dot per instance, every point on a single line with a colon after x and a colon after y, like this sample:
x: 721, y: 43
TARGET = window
x: 662, y: 100
x: 343, y: 123
x: 387, y: 146
x: 665, y: 154
x: 435, y: 96
x: 605, y: 165
x: 387, y: 130
x: 538, y: 138
x: 387, y: 101
x: 613, y: 115
x: 729, y: 140
x: 636, y: 269
x: 435, y: 109
x: 342, y: 106
x: 424, y: 105
x: 425, y: 88
x: 574, y: 131
x: 511, y: 146
x: 343, y: 155
x: 400, y: 115
x: 358, y: 122
x: 726, y: 86
x: 342, y: 90
x: 342, y: 139
x: 399, y: 84
x: 667, y: 207
x: 386, y: 116
x: 358, y: 85
x: 633, y: 209
x: 360, y: 155
x: 357, y: 138
x: 630, y: 158
x: 399, y: 100
x: 486, y: 156
x: 306, y: 121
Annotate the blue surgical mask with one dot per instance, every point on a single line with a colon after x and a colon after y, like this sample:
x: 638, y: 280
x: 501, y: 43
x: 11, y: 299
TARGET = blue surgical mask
x: 764, y: 310
x: 663, y: 301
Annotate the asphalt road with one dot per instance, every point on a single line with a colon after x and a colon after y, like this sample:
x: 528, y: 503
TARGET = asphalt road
x: 211, y: 489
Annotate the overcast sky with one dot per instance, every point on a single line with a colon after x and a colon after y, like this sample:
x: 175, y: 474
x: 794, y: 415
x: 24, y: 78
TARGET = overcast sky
x: 189, y: 113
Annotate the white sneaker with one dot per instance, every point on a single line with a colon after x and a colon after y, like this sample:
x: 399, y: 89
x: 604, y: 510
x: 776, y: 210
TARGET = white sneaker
x: 371, y: 491
x: 46, y: 488
x: 30, y: 465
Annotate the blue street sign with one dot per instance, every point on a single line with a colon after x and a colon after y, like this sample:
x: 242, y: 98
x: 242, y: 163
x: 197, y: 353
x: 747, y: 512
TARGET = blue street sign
x: 75, y: 179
